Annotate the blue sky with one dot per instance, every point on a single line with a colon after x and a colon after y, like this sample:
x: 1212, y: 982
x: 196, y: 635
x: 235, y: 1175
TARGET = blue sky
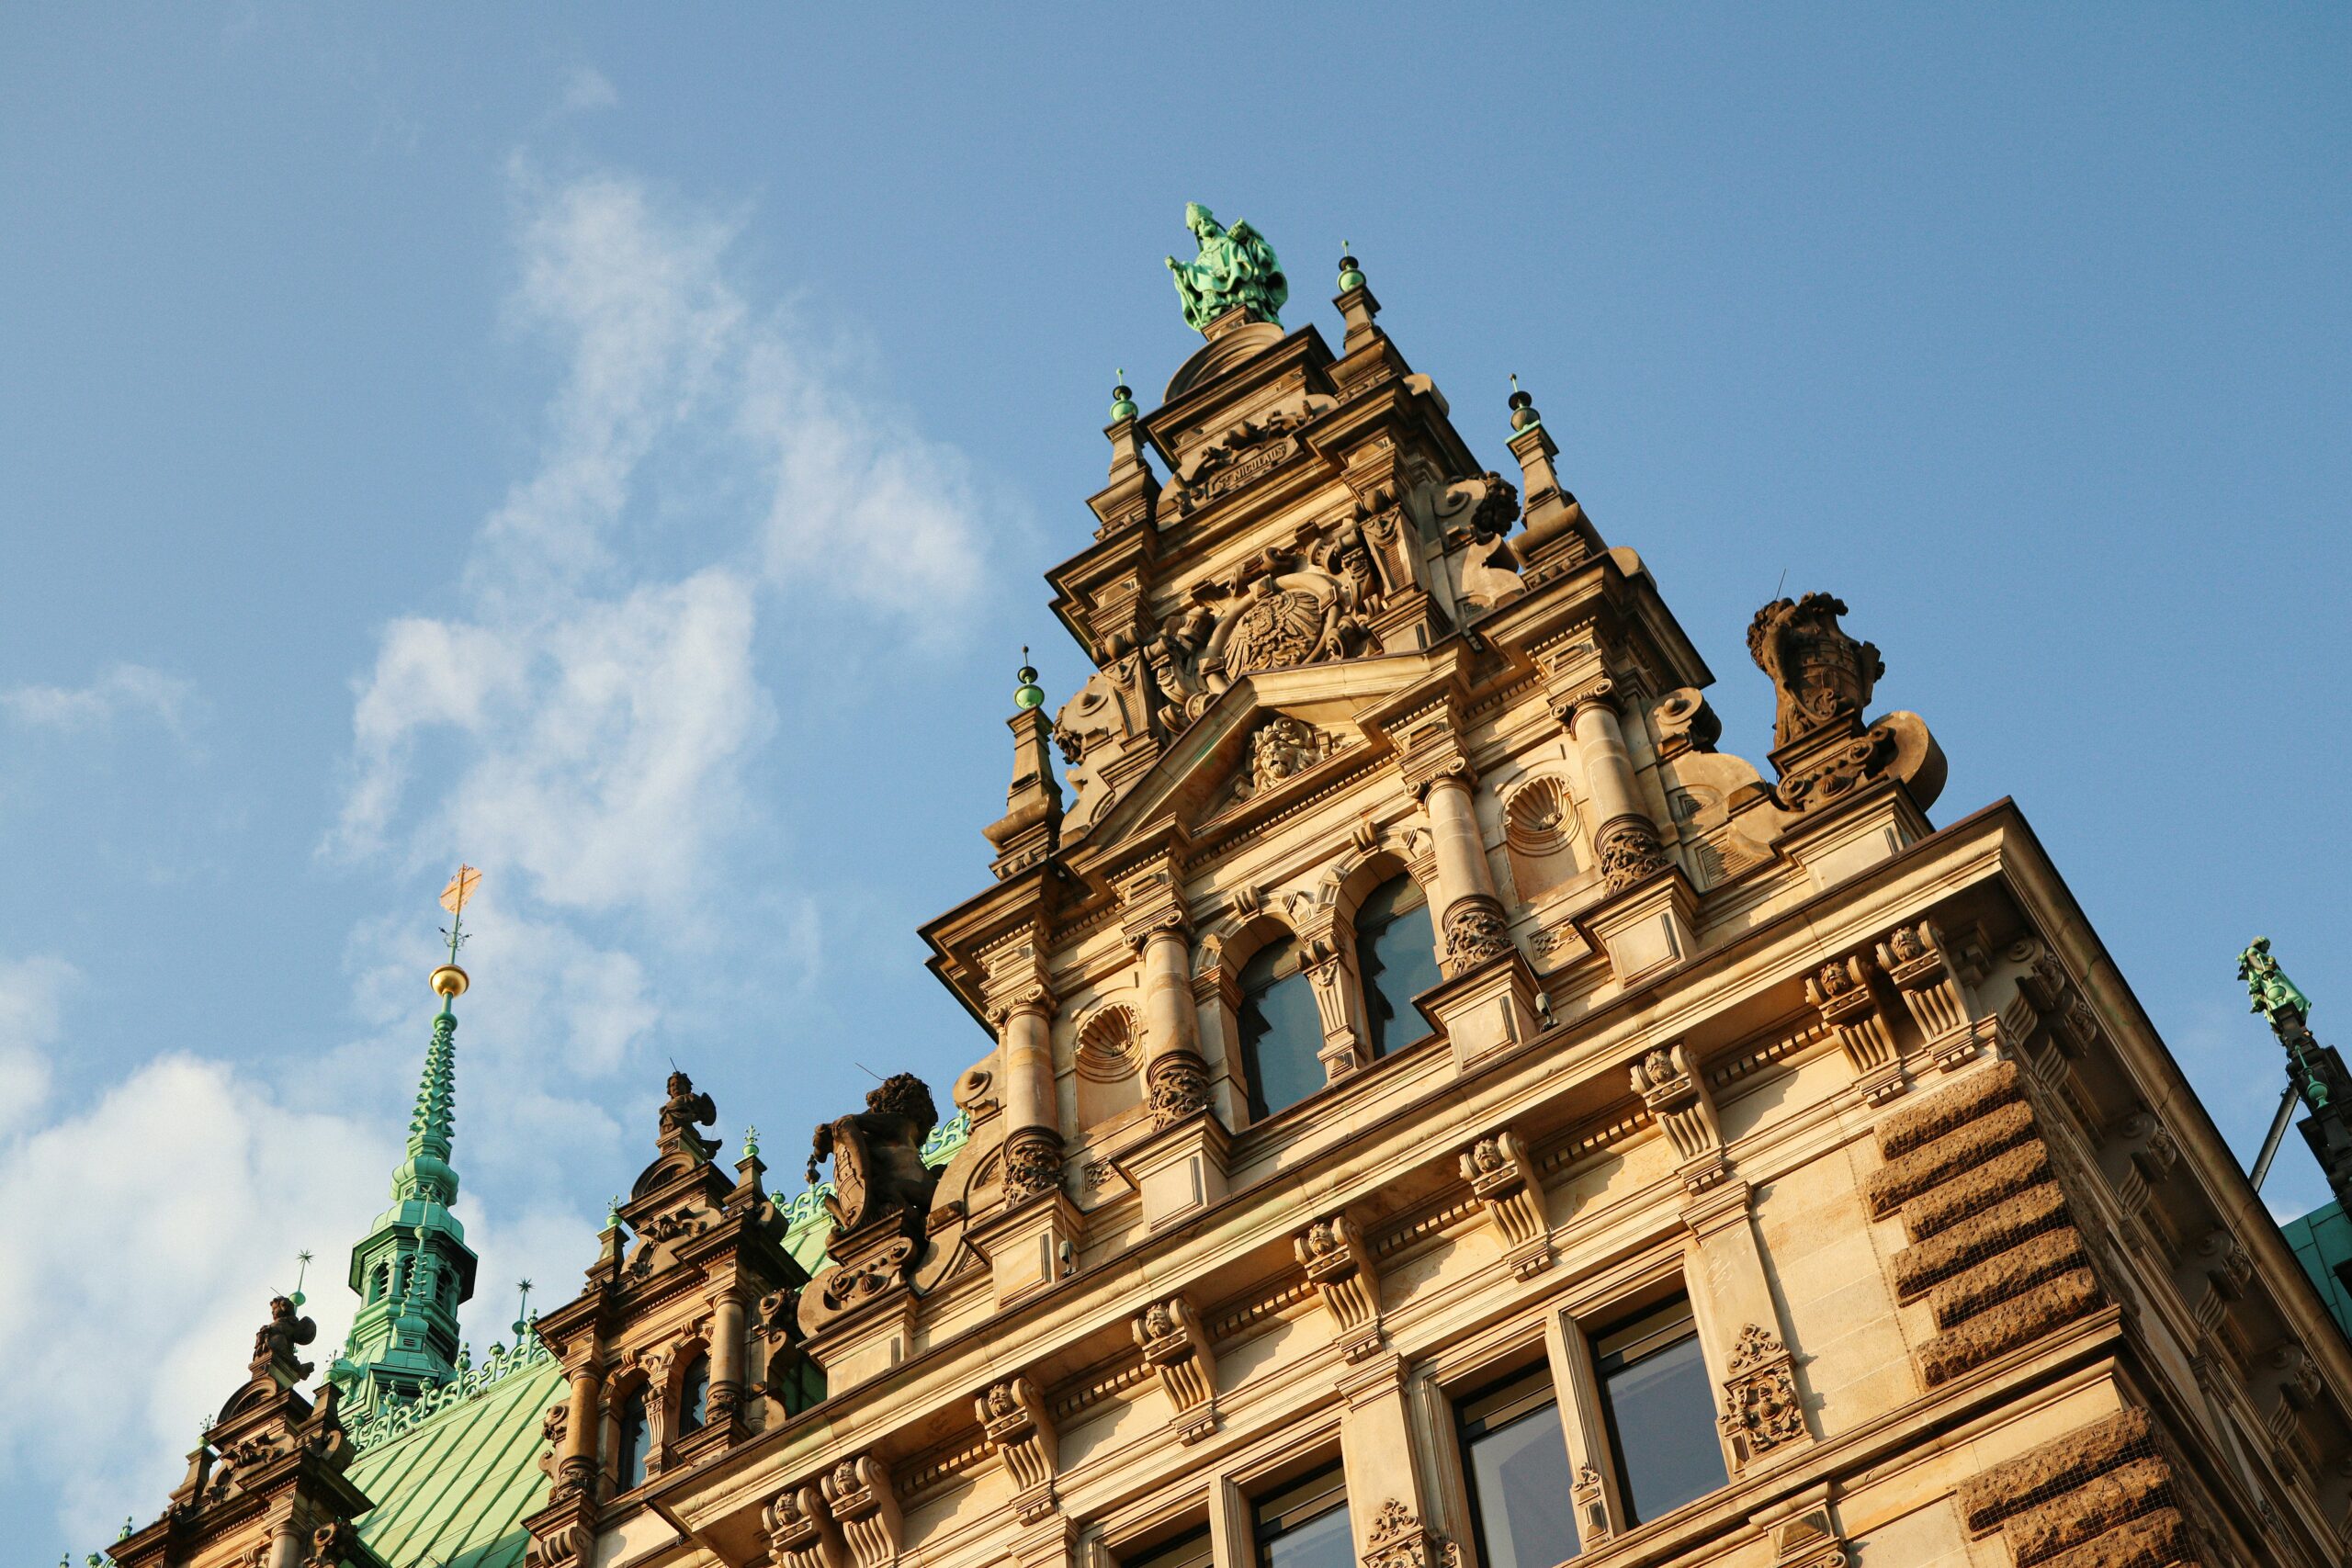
x: 621, y: 451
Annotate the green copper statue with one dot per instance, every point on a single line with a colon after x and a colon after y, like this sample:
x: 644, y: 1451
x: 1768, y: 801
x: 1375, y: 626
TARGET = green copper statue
x: 1236, y: 266
x: 2268, y: 983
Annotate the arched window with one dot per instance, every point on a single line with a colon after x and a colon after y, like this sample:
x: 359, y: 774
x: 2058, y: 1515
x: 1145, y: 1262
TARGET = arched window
x: 376, y: 1279
x: 1281, y: 1030
x: 635, y: 1442
x: 1397, y: 960
x: 694, y: 1394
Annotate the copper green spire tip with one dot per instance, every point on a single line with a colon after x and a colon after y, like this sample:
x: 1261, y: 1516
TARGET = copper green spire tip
x: 751, y: 1143
x: 1028, y: 695
x: 1522, y: 407
x: 1122, y: 398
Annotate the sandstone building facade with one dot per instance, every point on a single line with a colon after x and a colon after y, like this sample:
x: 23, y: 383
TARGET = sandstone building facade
x: 1442, y: 1111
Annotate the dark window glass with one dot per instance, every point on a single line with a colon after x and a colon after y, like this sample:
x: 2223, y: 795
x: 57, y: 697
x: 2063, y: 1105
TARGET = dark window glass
x: 1305, y: 1525
x: 1190, y: 1549
x: 694, y: 1394
x: 1397, y: 960
x: 1520, y: 1483
x: 635, y: 1442
x: 1281, y: 1030
x: 1661, y: 1412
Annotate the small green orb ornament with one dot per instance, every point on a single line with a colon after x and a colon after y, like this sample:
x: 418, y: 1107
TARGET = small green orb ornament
x: 1350, y: 275
x: 1122, y: 400
x: 1522, y: 407
x: 1028, y: 695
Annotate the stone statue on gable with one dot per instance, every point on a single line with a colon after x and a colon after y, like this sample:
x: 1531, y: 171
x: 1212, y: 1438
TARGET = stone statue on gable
x: 878, y: 1173
x: 681, y: 1113
x: 1236, y: 267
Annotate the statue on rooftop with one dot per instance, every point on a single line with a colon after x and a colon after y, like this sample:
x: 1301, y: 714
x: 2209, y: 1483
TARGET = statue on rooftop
x: 274, y: 1341
x: 680, y: 1114
x: 877, y: 1157
x: 2273, y: 993
x: 1820, y: 674
x: 1236, y: 266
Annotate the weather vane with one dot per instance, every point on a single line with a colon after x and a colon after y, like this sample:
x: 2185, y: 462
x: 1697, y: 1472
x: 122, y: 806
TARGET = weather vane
x: 449, y: 980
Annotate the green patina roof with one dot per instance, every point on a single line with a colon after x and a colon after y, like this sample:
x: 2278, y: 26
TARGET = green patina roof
x: 2323, y: 1240
x: 453, y: 1490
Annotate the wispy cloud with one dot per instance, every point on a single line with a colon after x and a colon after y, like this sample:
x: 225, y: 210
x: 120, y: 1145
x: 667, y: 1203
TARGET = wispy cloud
x: 32, y: 992
x: 587, y: 90
x: 123, y: 691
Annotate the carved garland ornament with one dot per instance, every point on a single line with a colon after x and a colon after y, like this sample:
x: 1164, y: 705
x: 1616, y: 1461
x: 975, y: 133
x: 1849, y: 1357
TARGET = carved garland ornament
x: 1399, y: 1539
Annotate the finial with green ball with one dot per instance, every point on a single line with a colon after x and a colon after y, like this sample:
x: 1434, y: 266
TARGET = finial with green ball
x: 1350, y: 275
x: 1523, y: 407
x: 1028, y: 695
x: 1122, y: 399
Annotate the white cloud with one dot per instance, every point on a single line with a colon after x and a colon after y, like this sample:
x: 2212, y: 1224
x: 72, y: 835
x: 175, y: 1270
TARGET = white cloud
x: 121, y: 691
x: 170, y: 1212
x: 30, y: 991
x: 588, y: 89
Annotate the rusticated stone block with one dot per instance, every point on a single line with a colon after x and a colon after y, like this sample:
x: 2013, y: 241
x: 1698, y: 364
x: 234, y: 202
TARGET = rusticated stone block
x: 1933, y: 1164
x: 1947, y: 1110
x: 2005, y: 1275
x: 2010, y: 1323
x: 2037, y: 1475
x: 1973, y: 1191
x: 2090, y: 1510
x: 2006, y: 1224
x: 2153, y: 1541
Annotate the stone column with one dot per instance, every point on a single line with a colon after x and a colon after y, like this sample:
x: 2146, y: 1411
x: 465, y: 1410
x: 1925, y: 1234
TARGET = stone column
x: 286, y: 1543
x: 727, y: 1355
x: 1176, y: 1078
x: 1625, y: 842
x: 1033, y: 1143
x: 578, y: 1464
x: 1470, y: 917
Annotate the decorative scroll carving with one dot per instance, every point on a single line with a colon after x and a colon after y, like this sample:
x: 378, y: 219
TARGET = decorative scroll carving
x: 1033, y: 1164
x: 1820, y: 676
x: 1013, y: 1416
x: 1339, y: 1264
x: 1841, y: 990
x: 1630, y: 852
x: 857, y: 1493
x: 1180, y: 1088
x: 1678, y: 1103
x: 1476, y: 930
x: 1503, y: 1179
x: 1175, y: 1345
x: 1399, y: 1539
x: 1760, y: 1406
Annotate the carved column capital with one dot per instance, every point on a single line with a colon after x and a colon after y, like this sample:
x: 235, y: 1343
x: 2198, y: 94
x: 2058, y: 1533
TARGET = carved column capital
x: 1567, y: 703
x: 1033, y: 1164
x: 1476, y: 930
x: 1630, y: 850
x: 1430, y: 753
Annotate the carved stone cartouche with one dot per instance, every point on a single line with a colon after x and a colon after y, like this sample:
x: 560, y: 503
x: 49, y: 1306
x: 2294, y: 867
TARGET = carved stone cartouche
x: 1820, y: 676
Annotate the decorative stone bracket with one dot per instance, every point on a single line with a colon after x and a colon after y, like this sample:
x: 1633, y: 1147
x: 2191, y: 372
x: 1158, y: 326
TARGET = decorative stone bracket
x: 1175, y: 1345
x: 1921, y: 964
x: 1339, y: 1265
x: 857, y: 1492
x: 1841, y: 990
x: 1678, y: 1102
x: 800, y: 1532
x: 1503, y: 1179
x: 1020, y: 1431
x: 1802, y: 1534
x: 1761, y: 1410
x: 1398, y: 1539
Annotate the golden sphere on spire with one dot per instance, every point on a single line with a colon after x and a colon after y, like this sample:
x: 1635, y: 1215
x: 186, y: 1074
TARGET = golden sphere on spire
x: 449, y: 981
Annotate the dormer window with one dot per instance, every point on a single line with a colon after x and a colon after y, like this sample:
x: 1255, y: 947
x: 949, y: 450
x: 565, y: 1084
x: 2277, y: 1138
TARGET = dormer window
x: 1396, y: 961
x: 1280, y: 1032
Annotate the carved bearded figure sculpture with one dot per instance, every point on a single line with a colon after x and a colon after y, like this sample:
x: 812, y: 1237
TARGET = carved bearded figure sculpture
x: 1235, y: 267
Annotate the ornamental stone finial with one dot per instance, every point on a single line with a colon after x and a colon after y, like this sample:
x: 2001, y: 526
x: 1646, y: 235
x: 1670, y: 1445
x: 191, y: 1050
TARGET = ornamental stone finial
x: 1236, y: 267
x: 2273, y: 993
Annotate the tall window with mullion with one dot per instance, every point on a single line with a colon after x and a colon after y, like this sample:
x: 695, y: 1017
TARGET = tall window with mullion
x: 1305, y: 1524
x: 1661, y: 1410
x: 1516, y: 1457
x: 1282, y: 1032
x: 1396, y: 961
